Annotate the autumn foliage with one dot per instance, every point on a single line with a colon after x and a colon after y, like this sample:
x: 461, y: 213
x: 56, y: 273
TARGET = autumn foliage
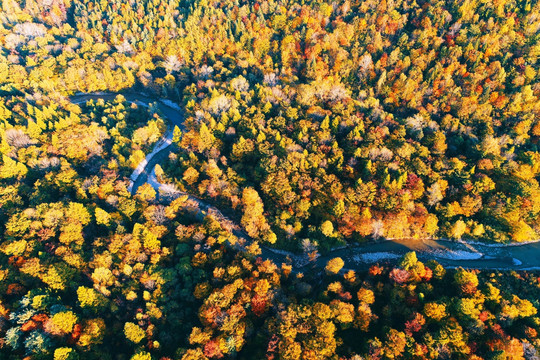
x: 310, y: 124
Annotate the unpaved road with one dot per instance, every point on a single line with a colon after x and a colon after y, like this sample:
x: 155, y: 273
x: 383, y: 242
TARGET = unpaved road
x: 449, y: 253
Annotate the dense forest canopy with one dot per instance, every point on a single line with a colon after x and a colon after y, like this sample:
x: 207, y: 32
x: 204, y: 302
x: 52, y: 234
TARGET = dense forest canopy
x: 348, y: 121
x: 313, y: 125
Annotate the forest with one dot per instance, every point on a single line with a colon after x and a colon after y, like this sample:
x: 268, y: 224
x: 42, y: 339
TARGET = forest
x: 313, y: 125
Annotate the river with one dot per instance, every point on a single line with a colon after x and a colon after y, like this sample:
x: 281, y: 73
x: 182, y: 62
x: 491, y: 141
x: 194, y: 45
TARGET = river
x: 358, y: 257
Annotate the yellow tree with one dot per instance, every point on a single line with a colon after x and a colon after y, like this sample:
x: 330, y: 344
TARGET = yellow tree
x: 253, y: 219
x: 334, y: 266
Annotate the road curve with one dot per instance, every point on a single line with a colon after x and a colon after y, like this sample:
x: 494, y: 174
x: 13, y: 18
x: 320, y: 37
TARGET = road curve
x: 359, y: 257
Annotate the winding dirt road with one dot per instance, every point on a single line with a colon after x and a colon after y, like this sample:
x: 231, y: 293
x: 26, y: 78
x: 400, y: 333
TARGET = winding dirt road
x: 448, y: 253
